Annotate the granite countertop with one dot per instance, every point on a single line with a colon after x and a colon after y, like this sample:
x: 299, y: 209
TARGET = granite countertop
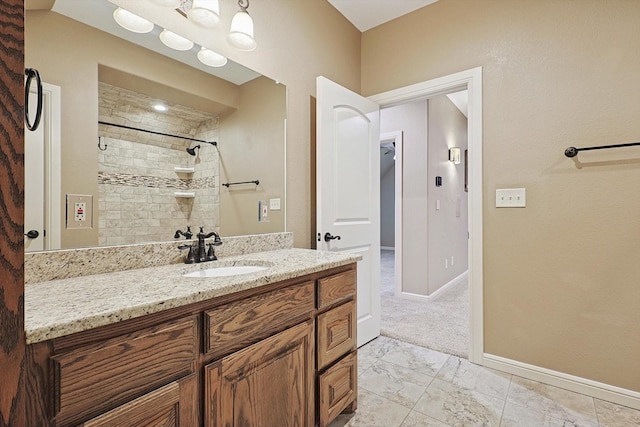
x: 61, y: 307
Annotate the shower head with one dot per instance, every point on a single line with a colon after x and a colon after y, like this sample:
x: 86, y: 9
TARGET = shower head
x: 192, y: 151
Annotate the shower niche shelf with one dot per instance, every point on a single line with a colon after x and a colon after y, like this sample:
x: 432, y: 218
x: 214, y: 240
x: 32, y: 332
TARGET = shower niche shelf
x: 178, y: 169
x: 185, y: 194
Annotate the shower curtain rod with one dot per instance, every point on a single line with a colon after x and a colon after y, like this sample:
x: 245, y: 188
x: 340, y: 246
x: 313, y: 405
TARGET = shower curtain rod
x: 573, y: 151
x: 158, y: 133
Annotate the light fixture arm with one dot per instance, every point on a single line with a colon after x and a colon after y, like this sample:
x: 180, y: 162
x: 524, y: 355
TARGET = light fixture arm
x: 242, y: 6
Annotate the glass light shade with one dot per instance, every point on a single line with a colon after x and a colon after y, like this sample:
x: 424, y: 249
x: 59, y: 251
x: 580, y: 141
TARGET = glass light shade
x: 168, y: 3
x: 131, y: 21
x: 204, y: 12
x: 174, y: 41
x: 211, y: 58
x: 241, y: 31
x: 454, y: 155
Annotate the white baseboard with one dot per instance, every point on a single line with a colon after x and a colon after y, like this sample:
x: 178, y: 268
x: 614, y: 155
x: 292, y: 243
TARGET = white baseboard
x: 596, y: 389
x: 387, y: 248
x: 442, y: 289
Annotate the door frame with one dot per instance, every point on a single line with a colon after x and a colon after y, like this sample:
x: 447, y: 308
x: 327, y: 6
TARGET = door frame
x: 472, y: 81
x: 53, y: 167
x: 396, y: 137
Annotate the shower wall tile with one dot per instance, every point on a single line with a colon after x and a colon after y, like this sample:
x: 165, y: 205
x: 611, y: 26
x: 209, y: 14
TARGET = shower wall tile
x: 136, y: 173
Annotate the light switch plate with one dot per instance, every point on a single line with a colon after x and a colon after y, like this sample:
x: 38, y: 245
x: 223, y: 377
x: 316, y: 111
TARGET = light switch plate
x: 79, y: 211
x: 274, y: 204
x: 511, y: 198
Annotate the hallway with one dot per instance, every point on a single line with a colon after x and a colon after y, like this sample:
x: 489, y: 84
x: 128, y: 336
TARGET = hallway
x: 441, y: 324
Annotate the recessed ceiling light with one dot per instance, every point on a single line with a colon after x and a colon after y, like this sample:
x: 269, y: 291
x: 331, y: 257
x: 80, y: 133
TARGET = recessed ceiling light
x: 160, y: 107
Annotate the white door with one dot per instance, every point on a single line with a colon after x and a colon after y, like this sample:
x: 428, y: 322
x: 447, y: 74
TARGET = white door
x: 348, y: 190
x: 34, y: 182
x: 42, y: 207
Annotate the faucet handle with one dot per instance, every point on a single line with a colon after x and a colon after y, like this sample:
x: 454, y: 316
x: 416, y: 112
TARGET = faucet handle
x: 191, y: 257
x: 211, y: 255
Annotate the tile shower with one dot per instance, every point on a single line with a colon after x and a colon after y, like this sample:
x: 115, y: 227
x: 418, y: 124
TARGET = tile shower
x: 137, y: 179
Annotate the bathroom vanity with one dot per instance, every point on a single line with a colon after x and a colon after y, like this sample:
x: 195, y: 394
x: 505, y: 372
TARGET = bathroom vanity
x: 149, y: 347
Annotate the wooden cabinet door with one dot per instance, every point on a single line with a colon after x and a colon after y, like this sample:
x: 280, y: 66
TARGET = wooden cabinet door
x: 269, y: 384
x: 173, y: 405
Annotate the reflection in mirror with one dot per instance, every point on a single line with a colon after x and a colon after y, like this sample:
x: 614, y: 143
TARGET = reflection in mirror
x: 145, y: 186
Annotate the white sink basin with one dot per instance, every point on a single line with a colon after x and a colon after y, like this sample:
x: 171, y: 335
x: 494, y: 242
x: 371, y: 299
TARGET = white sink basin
x: 234, y: 270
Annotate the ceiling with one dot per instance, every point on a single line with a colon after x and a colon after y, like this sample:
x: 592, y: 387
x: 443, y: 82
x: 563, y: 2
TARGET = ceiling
x: 366, y: 14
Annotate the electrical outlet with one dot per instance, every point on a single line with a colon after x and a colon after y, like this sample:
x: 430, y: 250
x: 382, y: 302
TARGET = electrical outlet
x: 79, y: 211
x: 451, y: 260
x: 446, y: 263
x: 510, y: 198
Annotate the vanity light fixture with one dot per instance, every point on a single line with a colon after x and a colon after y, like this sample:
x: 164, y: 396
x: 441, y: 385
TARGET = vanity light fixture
x: 454, y: 155
x: 211, y: 58
x: 175, y: 41
x: 241, y: 31
x: 205, y: 13
x: 201, y: 12
x: 131, y: 21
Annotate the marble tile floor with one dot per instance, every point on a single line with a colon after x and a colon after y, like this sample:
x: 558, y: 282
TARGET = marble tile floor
x: 404, y: 385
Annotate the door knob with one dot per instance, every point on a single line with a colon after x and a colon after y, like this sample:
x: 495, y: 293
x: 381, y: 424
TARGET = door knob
x: 328, y: 237
x: 32, y: 234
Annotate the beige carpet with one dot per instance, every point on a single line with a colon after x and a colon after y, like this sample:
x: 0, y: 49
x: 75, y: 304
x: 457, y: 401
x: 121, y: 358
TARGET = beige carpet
x: 440, y: 324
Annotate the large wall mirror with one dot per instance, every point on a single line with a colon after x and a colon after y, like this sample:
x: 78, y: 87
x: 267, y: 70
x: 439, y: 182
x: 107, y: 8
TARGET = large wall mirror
x: 138, y: 168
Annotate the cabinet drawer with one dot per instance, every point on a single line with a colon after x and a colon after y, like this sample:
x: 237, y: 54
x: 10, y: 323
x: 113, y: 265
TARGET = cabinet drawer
x: 338, y: 388
x: 172, y: 405
x: 336, y: 333
x: 98, y: 377
x: 238, y: 324
x: 335, y: 288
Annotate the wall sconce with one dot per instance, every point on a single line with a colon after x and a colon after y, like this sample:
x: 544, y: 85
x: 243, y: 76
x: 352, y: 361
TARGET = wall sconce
x: 454, y: 155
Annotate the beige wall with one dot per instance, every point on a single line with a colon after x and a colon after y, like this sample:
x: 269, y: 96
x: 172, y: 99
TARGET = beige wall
x: 560, y: 276
x: 446, y: 227
x: 388, y: 206
x: 247, y: 153
x: 311, y: 38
